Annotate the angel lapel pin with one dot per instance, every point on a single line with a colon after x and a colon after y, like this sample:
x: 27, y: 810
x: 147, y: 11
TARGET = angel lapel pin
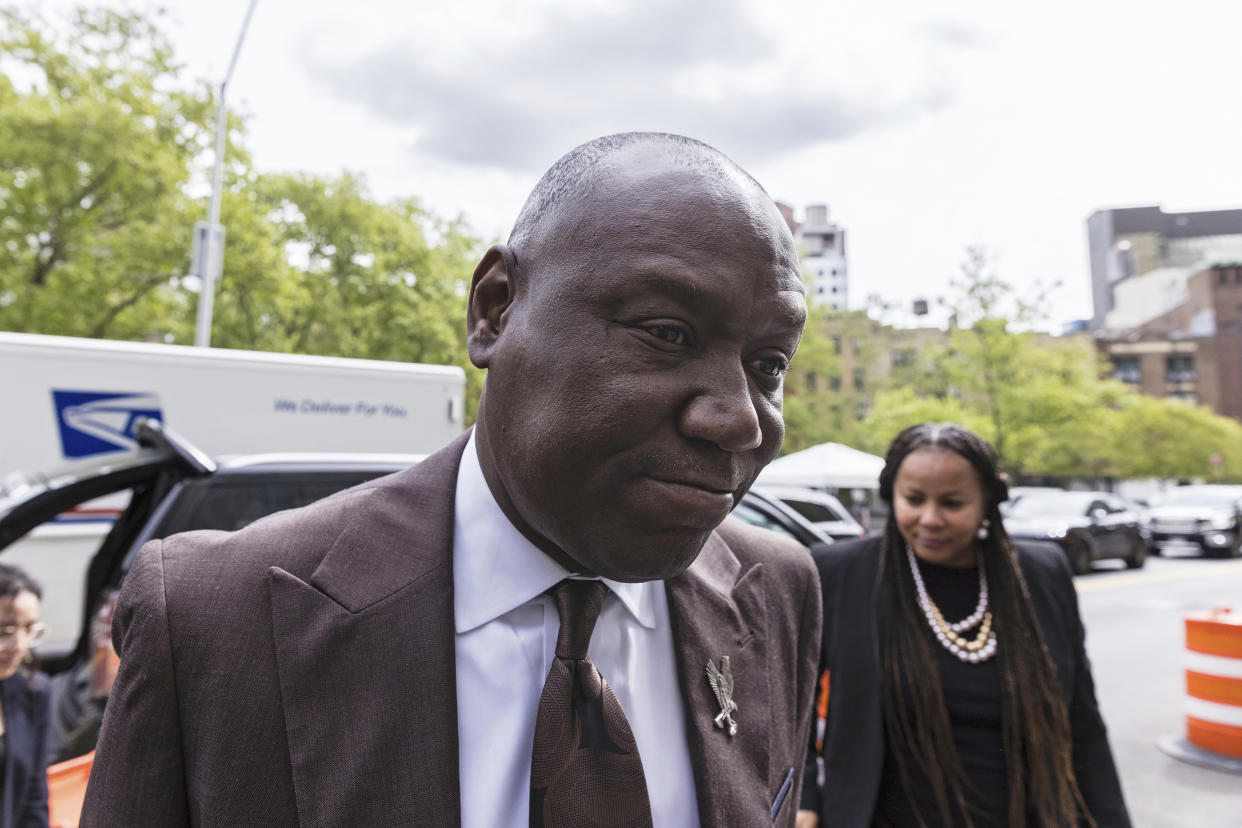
x: 722, y: 685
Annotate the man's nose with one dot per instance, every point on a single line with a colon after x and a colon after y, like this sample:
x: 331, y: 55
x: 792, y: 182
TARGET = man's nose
x: 724, y: 412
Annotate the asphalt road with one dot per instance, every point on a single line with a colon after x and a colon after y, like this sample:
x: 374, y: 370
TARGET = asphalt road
x: 1136, y: 641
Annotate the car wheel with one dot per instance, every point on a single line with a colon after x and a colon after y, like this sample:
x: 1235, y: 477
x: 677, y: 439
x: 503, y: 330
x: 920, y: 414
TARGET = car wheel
x: 1234, y: 549
x: 1138, y: 553
x: 1230, y: 551
x: 1080, y: 556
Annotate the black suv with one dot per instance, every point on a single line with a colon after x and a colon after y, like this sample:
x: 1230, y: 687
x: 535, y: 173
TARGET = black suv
x: 176, y: 488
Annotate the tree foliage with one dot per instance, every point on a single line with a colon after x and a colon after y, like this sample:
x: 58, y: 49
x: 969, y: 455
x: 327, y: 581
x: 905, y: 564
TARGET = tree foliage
x: 96, y: 145
x: 811, y: 405
x: 103, y: 146
x: 1045, y: 403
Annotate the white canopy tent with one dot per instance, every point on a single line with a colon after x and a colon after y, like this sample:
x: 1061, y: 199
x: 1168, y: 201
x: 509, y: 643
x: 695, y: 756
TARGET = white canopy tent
x: 826, y: 466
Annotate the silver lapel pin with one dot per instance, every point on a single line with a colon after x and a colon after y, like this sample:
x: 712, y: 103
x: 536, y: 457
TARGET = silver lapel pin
x: 722, y: 685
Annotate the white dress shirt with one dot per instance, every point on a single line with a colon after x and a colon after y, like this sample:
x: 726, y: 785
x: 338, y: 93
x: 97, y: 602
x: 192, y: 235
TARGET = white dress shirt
x: 505, y: 643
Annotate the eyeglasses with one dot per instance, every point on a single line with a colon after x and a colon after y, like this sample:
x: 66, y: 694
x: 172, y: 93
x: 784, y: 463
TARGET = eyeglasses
x: 33, y: 633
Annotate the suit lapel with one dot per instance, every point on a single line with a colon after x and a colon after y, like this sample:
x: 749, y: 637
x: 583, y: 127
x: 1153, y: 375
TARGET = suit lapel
x: 365, y: 656
x: 716, y: 610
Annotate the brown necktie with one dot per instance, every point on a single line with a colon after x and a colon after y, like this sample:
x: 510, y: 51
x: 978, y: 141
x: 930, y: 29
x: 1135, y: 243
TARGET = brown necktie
x: 585, y: 769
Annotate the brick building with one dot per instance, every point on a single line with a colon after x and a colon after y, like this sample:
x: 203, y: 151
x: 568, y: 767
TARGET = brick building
x: 1192, y: 350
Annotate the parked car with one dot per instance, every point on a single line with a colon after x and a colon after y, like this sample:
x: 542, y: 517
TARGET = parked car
x: 175, y: 488
x: 1016, y: 493
x: 1088, y: 526
x: 760, y: 508
x: 172, y: 488
x: 824, y: 511
x: 1205, y: 518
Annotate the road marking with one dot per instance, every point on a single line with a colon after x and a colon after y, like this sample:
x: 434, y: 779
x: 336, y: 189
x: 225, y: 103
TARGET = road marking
x: 1118, y: 580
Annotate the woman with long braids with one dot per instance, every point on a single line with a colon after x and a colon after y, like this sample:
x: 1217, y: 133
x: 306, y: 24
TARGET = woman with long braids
x: 958, y: 684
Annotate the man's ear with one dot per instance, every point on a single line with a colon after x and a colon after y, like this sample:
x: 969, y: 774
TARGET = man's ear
x: 493, y: 290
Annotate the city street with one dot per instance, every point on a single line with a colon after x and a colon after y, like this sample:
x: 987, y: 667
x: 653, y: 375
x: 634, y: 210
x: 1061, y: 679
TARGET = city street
x: 1136, y: 641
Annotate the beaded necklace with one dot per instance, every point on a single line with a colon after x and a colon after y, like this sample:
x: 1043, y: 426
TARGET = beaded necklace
x: 977, y: 650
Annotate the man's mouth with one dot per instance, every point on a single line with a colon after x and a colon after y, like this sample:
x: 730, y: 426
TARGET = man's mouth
x: 709, y: 500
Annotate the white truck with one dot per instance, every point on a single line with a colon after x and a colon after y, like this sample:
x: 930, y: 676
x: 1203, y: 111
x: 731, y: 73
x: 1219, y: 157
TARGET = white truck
x: 67, y: 400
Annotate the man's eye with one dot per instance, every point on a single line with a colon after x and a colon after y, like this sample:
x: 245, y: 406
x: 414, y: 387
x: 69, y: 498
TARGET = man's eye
x: 774, y: 366
x: 670, y: 334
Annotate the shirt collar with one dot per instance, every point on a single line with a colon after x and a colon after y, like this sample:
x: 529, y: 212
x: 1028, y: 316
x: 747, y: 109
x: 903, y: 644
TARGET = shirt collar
x: 496, y: 569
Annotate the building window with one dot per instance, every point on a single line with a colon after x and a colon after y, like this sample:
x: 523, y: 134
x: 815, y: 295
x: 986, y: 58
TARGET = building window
x: 1187, y: 397
x: 1179, y: 368
x: 811, y: 380
x: 836, y: 345
x: 834, y: 383
x: 1224, y: 276
x: 860, y: 377
x: 903, y: 357
x: 1127, y: 369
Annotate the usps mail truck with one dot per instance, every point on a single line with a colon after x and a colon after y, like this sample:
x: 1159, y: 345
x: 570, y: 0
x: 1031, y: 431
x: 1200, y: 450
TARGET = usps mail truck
x: 65, y: 400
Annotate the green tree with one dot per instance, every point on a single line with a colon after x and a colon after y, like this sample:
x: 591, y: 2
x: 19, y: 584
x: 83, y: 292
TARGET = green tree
x: 97, y: 139
x: 1043, y: 402
x: 100, y: 144
x: 809, y: 401
x: 352, y: 277
x: 1166, y: 438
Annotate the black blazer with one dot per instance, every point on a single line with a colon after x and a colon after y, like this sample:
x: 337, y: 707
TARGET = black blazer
x: 853, y: 747
x: 26, y: 704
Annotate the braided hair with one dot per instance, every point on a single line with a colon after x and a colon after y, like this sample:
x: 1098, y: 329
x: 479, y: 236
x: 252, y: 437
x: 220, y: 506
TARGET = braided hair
x: 1035, y: 727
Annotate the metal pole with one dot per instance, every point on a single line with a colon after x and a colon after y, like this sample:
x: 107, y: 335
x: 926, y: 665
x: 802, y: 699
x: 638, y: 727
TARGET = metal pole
x: 213, y: 241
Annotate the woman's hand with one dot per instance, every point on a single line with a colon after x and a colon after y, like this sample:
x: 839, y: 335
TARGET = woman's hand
x: 807, y: 819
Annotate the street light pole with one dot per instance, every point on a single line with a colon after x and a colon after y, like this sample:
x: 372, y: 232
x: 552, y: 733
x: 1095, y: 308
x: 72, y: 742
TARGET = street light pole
x: 210, y: 238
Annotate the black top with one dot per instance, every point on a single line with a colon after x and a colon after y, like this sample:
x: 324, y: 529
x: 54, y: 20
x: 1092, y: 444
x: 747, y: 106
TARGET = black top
x: 972, y: 694
x: 851, y: 761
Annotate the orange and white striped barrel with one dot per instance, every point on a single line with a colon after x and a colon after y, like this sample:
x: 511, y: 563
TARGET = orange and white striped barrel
x: 1214, y: 681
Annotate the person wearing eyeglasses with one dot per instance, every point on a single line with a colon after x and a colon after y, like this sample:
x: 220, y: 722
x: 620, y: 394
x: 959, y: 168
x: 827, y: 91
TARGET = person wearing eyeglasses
x: 24, y: 704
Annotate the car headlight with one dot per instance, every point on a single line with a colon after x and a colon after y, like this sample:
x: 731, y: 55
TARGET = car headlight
x: 1058, y: 532
x: 1223, y: 522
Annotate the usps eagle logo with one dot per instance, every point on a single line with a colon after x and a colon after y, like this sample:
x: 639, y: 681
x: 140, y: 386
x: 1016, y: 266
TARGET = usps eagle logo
x: 99, y: 422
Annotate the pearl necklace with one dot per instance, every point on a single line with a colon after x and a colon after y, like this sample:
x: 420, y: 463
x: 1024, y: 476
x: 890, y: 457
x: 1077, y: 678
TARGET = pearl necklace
x: 983, y: 646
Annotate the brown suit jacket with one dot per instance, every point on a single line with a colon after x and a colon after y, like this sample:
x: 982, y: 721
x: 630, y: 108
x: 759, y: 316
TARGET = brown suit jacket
x: 301, y: 671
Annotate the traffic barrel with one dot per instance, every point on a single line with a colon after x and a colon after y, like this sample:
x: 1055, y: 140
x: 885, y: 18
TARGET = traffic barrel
x: 1214, y: 681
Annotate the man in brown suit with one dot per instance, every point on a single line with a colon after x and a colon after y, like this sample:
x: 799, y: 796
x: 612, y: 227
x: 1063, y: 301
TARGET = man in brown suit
x: 322, y: 667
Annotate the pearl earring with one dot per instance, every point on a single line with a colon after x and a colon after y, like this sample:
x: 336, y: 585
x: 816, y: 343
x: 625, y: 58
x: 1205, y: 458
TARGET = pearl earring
x: 982, y: 534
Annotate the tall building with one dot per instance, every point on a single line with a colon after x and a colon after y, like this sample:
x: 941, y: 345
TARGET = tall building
x: 1163, y: 249
x: 1193, y: 350
x: 823, y: 247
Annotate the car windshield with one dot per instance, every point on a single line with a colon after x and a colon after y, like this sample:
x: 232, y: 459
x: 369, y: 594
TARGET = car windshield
x: 1199, y: 497
x: 1052, y: 503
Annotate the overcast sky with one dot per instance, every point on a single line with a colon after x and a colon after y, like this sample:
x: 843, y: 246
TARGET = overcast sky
x: 925, y: 127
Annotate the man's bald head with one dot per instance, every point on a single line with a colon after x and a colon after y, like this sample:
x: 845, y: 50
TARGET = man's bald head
x: 579, y: 171
x: 636, y: 331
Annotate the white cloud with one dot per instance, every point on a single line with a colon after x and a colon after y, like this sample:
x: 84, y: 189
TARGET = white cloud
x: 717, y: 71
